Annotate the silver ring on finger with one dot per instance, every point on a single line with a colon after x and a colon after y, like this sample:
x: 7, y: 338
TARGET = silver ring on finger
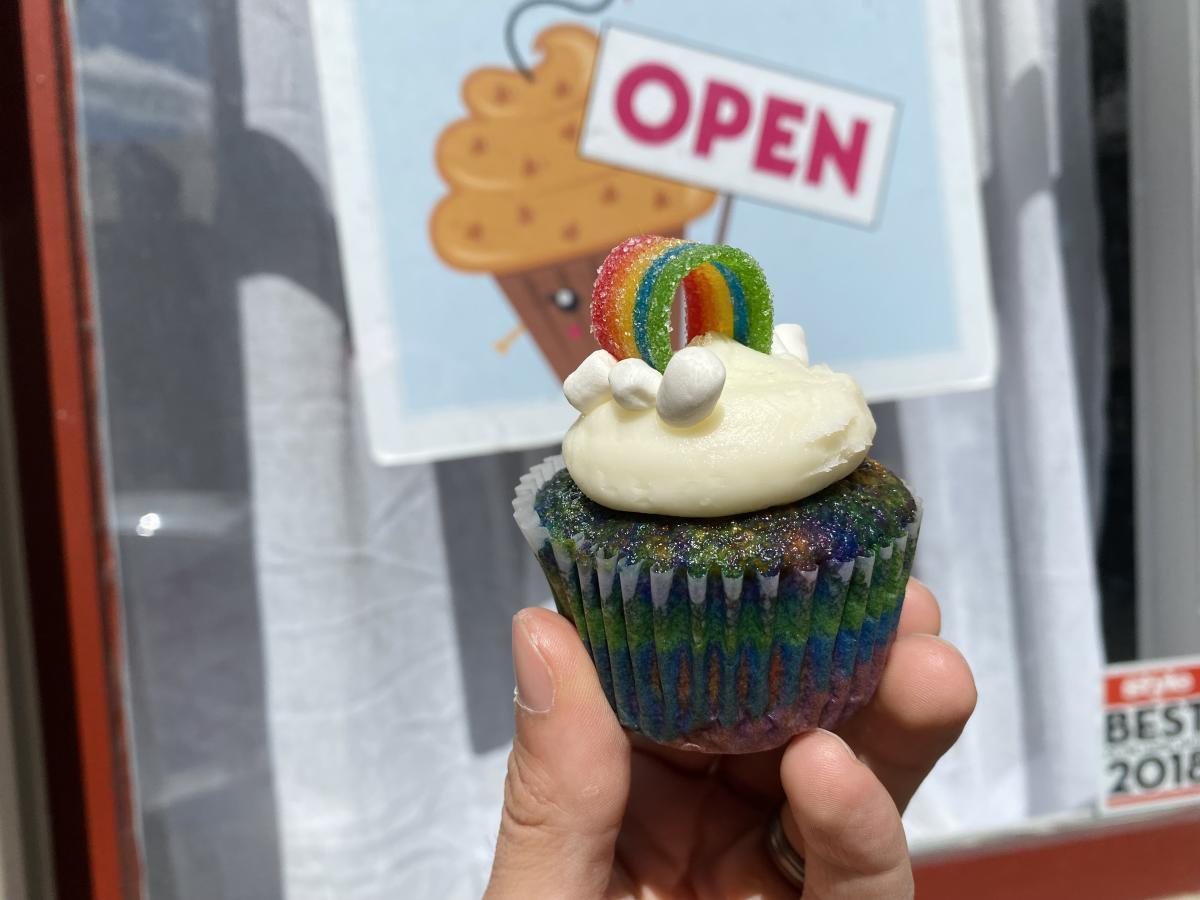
x: 789, y: 863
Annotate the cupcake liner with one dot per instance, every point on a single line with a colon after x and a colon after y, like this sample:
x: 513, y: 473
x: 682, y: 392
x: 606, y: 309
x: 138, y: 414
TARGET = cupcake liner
x: 718, y: 663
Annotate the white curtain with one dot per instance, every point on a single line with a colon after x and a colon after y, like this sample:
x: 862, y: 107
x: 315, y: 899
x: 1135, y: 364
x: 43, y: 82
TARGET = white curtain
x: 386, y: 593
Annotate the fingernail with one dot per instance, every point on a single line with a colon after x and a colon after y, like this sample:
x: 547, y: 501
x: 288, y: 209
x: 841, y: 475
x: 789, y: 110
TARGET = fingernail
x: 535, y: 684
x: 838, y: 738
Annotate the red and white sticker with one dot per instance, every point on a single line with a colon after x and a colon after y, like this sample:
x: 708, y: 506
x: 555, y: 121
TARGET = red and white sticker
x: 1151, y: 734
x: 668, y: 109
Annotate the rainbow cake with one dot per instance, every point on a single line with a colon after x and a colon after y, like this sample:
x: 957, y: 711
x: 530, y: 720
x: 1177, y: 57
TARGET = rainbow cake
x: 730, y: 556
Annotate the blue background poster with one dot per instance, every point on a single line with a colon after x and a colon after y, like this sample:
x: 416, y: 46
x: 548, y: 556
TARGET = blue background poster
x: 464, y: 324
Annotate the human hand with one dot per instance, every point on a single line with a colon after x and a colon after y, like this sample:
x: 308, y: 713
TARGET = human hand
x: 593, y: 812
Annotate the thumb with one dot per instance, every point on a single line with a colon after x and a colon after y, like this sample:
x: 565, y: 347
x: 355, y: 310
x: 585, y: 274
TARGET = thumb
x: 568, y: 773
x: 844, y: 823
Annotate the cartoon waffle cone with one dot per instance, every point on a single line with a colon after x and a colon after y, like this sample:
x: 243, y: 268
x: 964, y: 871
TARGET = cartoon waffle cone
x: 524, y: 207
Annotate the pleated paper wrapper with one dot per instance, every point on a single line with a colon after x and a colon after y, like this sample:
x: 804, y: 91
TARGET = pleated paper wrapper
x: 720, y: 663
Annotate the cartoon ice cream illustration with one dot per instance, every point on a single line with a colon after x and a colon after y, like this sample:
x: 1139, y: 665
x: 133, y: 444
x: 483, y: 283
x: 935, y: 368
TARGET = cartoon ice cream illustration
x: 524, y: 207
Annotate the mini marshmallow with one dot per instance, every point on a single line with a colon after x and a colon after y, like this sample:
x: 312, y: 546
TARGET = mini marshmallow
x: 634, y: 384
x: 790, y: 339
x: 691, y: 387
x: 587, y: 387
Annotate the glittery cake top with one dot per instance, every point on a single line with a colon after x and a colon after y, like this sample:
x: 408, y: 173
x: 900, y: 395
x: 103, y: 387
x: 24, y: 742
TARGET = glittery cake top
x: 854, y: 516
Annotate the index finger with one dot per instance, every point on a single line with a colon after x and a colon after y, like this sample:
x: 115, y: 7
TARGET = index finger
x: 920, y: 613
x: 924, y: 699
x: 842, y: 820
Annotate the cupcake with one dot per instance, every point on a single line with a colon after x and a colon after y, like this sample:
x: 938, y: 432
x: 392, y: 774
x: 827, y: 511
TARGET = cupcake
x: 526, y: 209
x: 730, y: 556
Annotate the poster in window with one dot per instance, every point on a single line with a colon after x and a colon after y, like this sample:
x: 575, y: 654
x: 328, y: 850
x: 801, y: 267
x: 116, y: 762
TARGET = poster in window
x: 485, y: 156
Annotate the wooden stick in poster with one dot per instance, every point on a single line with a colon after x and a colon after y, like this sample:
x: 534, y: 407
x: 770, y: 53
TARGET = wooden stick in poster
x: 505, y: 343
x: 723, y: 218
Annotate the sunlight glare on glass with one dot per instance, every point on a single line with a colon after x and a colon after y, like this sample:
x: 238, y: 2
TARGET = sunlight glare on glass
x: 148, y: 524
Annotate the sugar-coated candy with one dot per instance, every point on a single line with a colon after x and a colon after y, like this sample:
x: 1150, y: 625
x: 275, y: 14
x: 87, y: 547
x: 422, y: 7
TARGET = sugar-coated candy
x: 690, y: 387
x: 634, y: 384
x: 587, y: 387
x: 790, y: 339
x: 724, y: 287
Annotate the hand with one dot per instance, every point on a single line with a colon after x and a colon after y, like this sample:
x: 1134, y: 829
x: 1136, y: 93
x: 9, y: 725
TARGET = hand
x: 592, y: 812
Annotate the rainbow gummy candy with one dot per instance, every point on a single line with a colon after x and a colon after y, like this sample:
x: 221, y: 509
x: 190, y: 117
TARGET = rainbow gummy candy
x: 726, y: 292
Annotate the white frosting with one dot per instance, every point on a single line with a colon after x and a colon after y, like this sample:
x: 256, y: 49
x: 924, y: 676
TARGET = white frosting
x: 780, y: 431
x: 587, y: 387
x: 790, y: 339
x: 634, y: 384
x: 691, y: 387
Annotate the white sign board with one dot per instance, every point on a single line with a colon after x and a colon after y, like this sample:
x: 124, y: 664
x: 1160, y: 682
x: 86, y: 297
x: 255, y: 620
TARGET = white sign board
x: 1151, y: 734
x: 485, y: 155
x: 668, y: 109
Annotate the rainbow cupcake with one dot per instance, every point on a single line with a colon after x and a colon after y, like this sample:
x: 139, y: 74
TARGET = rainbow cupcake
x: 732, y: 560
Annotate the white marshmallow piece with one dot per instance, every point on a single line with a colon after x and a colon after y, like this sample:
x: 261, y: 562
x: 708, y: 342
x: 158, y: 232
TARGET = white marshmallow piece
x: 790, y: 339
x: 634, y: 384
x: 587, y: 387
x: 691, y: 387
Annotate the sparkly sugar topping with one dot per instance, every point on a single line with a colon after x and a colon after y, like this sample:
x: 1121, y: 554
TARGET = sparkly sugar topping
x: 855, y: 516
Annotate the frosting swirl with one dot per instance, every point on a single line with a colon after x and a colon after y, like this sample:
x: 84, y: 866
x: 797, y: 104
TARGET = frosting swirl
x: 520, y: 195
x: 780, y: 431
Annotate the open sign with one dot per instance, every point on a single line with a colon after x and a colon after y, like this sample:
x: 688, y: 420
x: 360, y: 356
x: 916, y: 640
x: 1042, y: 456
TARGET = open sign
x: 698, y: 117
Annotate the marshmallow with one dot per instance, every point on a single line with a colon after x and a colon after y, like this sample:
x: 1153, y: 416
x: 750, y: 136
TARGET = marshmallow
x: 587, y: 387
x: 691, y: 387
x: 634, y: 384
x: 790, y: 339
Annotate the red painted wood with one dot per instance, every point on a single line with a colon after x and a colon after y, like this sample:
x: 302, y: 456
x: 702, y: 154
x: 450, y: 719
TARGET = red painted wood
x: 47, y: 311
x: 1134, y: 861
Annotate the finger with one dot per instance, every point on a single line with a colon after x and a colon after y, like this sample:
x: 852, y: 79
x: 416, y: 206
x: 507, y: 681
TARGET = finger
x: 744, y: 869
x: 689, y: 762
x: 920, y: 613
x: 670, y: 822
x: 755, y: 776
x: 568, y: 773
x: 923, y: 701
x: 844, y: 822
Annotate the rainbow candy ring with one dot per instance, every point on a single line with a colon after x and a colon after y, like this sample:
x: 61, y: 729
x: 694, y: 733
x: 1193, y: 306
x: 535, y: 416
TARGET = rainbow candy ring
x: 726, y: 291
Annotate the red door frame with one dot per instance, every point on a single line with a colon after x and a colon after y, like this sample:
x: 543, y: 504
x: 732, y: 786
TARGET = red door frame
x: 68, y: 551
x: 47, y: 308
